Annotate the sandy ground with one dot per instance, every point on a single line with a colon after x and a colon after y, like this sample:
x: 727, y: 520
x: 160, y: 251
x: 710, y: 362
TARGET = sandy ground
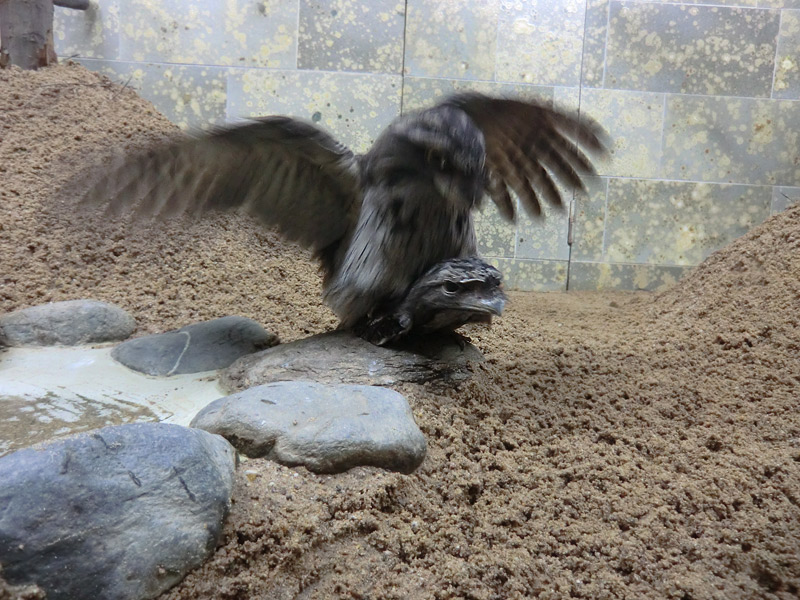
x: 612, y: 445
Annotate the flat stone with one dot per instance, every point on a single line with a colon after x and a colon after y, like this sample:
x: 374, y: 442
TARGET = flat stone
x: 68, y: 323
x: 122, y: 512
x: 326, y: 428
x: 205, y: 346
x: 341, y: 357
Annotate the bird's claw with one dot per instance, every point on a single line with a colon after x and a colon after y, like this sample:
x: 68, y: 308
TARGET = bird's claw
x: 383, y: 329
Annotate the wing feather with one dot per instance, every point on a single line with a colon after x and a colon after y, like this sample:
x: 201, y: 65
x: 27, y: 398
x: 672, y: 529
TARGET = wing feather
x: 289, y: 173
x: 530, y: 147
x: 500, y: 196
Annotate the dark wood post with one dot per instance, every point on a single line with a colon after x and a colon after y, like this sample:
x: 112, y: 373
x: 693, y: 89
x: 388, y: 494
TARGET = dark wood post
x: 76, y: 4
x: 26, y: 31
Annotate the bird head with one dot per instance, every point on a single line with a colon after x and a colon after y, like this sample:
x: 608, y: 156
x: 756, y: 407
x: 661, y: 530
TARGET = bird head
x: 455, y: 292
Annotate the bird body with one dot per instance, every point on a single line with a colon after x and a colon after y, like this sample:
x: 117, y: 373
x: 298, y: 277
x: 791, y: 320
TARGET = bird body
x: 378, y: 221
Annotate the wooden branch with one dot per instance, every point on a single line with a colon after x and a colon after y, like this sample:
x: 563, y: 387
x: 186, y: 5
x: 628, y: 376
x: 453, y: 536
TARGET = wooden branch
x: 75, y: 4
x: 26, y: 33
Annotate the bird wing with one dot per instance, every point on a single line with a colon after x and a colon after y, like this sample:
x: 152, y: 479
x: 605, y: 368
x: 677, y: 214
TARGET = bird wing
x: 529, y: 147
x: 289, y: 173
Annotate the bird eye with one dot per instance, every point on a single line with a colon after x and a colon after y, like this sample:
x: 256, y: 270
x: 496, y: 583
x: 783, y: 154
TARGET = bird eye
x: 450, y: 287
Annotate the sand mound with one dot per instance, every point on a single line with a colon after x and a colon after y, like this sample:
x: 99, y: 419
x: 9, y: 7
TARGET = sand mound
x: 748, y: 293
x: 55, y: 123
x: 613, y: 445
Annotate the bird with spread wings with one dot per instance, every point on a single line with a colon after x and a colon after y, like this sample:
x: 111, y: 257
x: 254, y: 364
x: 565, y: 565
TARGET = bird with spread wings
x: 378, y: 221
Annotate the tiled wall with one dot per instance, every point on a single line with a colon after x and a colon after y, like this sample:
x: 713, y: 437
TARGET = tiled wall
x: 700, y: 100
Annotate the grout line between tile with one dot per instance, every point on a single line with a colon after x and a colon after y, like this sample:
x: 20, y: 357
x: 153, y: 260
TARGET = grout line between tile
x: 605, y: 46
x: 695, y: 181
x: 661, y: 146
x: 297, y: 39
x: 776, y: 57
x: 605, y: 220
x: 403, y: 58
x: 634, y: 264
x: 237, y: 67
x: 701, y: 4
x: 573, y: 199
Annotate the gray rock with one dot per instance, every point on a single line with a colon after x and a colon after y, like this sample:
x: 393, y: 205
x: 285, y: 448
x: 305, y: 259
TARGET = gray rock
x: 122, y: 512
x: 199, y: 347
x: 22, y: 592
x: 68, y: 323
x: 326, y: 428
x: 341, y: 357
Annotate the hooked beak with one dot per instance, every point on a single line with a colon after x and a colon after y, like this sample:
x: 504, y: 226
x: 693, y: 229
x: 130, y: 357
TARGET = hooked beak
x: 495, y: 306
x: 487, y: 308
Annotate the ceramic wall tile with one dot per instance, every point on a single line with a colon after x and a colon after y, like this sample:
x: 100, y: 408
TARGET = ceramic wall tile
x: 585, y: 276
x: 778, y: 3
x: 192, y: 97
x: 697, y: 96
x: 594, y: 43
x: 783, y: 198
x: 351, y: 35
x: 532, y: 275
x: 540, y: 41
x: 354, y: 107
x: 453, y: 39
x: 545, y: 237
x: 691, y: 49
x: 423, y: 92
x: 732, y: 140
x: 496, y: 236
x: 91, y: 33
x: 589, y: 227
x: 787, y: 69
x: 677, y: 223
x: 634, y: 122
x: 230, y: 32
x: 750, y: 3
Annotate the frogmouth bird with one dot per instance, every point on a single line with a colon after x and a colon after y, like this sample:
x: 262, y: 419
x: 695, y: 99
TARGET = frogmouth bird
x: 378, y: 222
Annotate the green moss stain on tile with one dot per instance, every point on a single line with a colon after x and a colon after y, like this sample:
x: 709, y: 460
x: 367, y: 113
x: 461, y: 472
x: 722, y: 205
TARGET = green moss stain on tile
x: 92, y: 33
x: 351, y: 35
x: 448, y: 38
x: 495, y: 235
x: 423, y: 92
x: 354, y: 107
x: 691, y: 49
x: 787, y: 69
x: 540, y: 41
x: 594, y: 44
x: 732, y: 140
x: 590, y: 220
x: 545, y: 237
x: 190, y: 96
x: 585, y: 276
x: 676, y: 223
x: 532, y: 275
x: 634, y: 121
x: 260, y: 33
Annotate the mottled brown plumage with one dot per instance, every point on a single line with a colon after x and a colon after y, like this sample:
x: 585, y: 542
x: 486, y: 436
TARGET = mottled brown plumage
x: 378, y: 221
